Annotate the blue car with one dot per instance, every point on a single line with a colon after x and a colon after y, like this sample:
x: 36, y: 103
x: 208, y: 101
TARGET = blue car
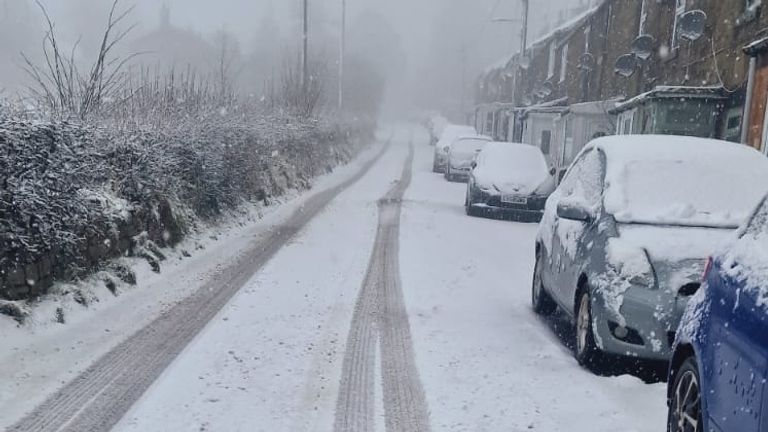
x: 719, y: 368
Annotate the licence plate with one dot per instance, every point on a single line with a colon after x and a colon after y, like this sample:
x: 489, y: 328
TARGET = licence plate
x: 512, y: 199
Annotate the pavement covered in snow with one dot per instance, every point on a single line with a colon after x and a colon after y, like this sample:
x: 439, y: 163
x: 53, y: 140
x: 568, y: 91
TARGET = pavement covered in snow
x: 272, y: 358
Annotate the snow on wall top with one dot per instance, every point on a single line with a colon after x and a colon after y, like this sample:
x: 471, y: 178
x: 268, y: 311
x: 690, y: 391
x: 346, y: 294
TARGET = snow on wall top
x: 679, y: 180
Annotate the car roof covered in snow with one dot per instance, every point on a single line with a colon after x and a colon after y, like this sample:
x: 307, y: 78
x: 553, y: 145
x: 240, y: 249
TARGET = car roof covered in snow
x: 629, y: 148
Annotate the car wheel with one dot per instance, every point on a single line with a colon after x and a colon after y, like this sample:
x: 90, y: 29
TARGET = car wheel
x: 685, y: 403
x: 586, y: 350
x: 542, y: 302
x: 469, y: 203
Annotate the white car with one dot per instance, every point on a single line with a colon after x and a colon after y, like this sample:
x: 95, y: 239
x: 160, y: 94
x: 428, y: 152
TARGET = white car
x: 450, y: 134
x: 461, y: 156
x: 512, y: 179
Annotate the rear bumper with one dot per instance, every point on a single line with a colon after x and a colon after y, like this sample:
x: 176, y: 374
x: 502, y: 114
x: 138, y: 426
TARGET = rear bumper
x: 459, y: 175
x: 532, y: 211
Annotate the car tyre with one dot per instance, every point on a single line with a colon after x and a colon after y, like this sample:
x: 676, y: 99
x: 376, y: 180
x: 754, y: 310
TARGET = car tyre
x: 685, y: 413
x: 540, y: 298
x: 585, y: 348
x: 469, y: 203
x: 436, y: 168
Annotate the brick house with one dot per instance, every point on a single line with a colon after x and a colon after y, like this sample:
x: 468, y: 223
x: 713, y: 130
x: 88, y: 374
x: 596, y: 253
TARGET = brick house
x: 578, y: 64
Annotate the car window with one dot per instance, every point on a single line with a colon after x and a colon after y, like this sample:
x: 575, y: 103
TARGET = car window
x: 584, y: 180
x: 758, y: 225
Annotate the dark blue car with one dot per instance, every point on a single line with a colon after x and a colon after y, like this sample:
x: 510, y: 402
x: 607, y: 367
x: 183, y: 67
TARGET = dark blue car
x: 719, y: 368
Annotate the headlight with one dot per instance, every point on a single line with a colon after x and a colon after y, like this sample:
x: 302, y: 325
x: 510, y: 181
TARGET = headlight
x: 630, y: 263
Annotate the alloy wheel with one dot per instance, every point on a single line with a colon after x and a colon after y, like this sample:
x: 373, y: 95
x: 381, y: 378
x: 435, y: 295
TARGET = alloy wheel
x: 686, y: 404
x: 582, y: 324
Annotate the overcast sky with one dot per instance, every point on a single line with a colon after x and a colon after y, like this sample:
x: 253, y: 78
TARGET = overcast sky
x: 431, y: 33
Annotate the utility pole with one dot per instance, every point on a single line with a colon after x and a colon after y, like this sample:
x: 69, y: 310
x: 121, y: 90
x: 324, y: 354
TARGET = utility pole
x: 524, y: 35
x: 463, y: 78
x: 342, y: 48
x: 305, y: 49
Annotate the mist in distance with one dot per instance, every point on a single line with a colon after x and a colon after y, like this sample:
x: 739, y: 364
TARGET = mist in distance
x: 426, y: 52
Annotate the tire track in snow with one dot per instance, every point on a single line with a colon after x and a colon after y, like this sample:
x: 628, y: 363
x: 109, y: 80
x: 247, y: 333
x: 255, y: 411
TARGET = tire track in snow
x: 100, y: 396
x: 380, y: 316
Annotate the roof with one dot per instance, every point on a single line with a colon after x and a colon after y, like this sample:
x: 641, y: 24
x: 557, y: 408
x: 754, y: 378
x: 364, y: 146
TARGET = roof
x: 757, y: 47
x: 664, y: 92
x: 568, y: 26
x: 556, y: 106
x: 595, y: 107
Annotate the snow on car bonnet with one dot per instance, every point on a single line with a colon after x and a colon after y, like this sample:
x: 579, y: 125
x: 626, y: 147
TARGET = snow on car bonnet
x: 503, y: 164
x: 677, y: 180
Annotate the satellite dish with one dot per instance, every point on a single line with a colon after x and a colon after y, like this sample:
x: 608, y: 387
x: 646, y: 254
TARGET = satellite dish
x: 642, y: 47
x: 548, y: 88
x: 691, y: 25
x: 626, y: 65
x: 587, y: 61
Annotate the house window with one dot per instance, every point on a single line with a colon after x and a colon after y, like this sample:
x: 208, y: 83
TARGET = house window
x: 488, y: 123
x: 552, y: 57
x: 546, y: 141
x: 679, y: 11
x: 564, y: 63
x: 751, y: 8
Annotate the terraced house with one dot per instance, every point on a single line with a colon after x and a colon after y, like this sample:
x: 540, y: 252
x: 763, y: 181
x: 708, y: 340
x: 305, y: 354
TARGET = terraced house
x: 686, y: 67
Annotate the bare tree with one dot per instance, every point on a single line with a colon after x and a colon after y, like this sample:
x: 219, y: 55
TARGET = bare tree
x: 60, y: 83
x: 299, y: 97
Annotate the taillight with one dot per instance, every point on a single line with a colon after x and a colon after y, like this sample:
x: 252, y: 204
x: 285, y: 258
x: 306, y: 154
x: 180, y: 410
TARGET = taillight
x: 707, y: 269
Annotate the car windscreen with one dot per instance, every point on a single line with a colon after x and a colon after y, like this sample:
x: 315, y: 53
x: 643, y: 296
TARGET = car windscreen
x: 467, y: 147
x: 697, y: 191
x: 521, y: 164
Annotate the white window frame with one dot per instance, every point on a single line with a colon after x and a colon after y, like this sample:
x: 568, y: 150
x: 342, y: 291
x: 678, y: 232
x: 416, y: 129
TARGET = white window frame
x: 552, y: 58
x: 680, y: 9
x: 564, y: 63
x: 644, y: 18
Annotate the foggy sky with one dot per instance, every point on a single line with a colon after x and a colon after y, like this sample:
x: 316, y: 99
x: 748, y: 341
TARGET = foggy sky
x: 432, y: 34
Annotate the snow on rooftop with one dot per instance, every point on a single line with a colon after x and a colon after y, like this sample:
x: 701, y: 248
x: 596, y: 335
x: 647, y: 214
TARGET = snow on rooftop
x: 672, y: 91
x: 568, y: 25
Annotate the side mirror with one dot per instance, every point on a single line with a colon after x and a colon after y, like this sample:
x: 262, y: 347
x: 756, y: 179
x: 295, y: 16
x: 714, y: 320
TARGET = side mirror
x: 474, y: 164
x: 573, y: 211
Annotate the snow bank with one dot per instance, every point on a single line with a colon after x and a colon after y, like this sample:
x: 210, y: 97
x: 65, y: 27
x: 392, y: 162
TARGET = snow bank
x: 76, y: 195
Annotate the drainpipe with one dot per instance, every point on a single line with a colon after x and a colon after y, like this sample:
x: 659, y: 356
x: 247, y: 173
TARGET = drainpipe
x: 748, y: 102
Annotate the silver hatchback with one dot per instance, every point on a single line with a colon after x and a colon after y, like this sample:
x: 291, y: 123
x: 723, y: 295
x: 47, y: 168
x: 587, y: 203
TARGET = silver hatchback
x: 625, y: 237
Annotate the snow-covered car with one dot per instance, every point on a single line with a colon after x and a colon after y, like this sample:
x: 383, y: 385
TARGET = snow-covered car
x: 450, y: 134
x: 726, y: 323
x: 625, y: 237
x: 509, y: 178
x: 436, y: 124
x: 461, y: 156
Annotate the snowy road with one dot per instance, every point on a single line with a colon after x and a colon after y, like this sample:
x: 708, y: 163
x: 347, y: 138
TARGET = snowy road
x: 379, y: 313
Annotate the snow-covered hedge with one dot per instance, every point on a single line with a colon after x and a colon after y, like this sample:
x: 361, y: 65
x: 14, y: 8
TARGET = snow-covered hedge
x: 72, y: 195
